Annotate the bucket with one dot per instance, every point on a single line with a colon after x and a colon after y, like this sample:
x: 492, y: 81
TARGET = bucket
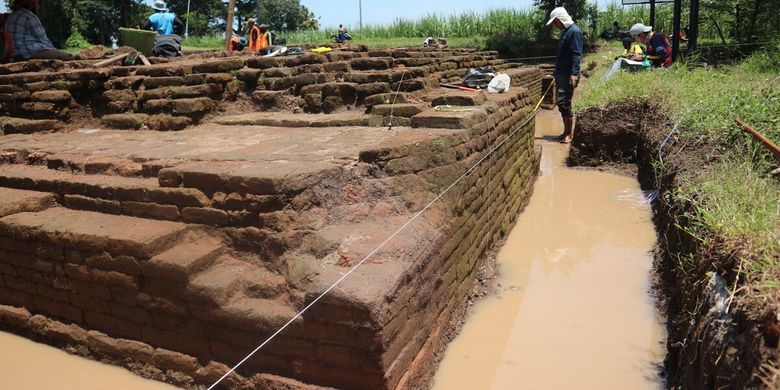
x: 141, y: 40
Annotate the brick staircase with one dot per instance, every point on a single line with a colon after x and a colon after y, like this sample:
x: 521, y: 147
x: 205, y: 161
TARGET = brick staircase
x: 176, y: 94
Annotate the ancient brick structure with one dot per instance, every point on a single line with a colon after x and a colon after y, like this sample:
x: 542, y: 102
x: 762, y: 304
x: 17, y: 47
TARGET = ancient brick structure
x: 182, y: 250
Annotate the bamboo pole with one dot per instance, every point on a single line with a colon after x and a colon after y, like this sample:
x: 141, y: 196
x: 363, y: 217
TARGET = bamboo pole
x: 110, y: 60
x: 760, y: 138
x: 229, y: 24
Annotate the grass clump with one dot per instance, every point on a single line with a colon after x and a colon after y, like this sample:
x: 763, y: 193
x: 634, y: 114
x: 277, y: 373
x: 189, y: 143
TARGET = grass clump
x: 734, y: 202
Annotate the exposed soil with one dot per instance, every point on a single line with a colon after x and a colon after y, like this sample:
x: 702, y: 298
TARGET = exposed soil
x: 717, y: 339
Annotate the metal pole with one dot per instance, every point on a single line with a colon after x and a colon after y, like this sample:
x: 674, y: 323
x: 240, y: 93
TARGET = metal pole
x: 676, y: 30
x: 229, y: 24
x: 693, y: 24
x: 187, y: 22
x: 652, y: 13
x: 360, y: 6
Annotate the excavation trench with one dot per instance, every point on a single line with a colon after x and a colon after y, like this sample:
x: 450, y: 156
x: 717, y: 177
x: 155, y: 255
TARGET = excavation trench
x: 574, y: 307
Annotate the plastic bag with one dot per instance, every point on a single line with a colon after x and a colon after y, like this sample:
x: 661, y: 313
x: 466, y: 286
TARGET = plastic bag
x: 500, y: 83
x: 478, y: 77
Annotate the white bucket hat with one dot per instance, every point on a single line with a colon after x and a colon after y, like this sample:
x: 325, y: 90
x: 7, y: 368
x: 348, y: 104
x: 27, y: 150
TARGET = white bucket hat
x: 561, y: 14
x: 639, y: 28
x: 159, y: 5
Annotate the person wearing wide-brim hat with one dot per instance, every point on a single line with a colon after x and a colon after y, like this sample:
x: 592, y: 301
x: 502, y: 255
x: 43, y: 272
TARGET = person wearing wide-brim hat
x: 659, y: 51
x: 162, y: 21
x: 567, y: 67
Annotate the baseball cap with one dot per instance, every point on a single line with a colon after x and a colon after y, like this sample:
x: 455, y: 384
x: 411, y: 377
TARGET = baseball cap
x: 639, y: 28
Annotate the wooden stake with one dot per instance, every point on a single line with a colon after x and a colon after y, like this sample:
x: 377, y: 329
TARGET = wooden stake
x: 144, y: 59
x: 760, y: 138
x: 110, y: 60
x: 229, y: 26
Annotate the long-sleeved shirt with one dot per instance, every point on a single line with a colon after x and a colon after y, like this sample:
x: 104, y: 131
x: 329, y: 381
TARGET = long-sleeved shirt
x: 27, y: 33
x: 659, y: 52
x: 569, y: 52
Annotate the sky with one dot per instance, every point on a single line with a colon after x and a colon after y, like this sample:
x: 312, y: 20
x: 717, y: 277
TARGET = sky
x: 335, y: 12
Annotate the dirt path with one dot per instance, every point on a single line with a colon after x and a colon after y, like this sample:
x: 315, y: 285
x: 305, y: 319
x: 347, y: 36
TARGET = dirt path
x: 574, y: 309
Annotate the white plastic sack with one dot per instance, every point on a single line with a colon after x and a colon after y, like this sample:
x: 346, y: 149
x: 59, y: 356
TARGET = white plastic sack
x: 500, y: 83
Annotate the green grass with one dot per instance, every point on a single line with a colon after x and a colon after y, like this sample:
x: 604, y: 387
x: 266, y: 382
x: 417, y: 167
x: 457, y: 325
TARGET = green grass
x: 735, y: 201
x: 705, y: 102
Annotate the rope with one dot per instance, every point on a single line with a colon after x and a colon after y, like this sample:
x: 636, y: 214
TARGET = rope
x: 356, y: 266
x: 392, y: 107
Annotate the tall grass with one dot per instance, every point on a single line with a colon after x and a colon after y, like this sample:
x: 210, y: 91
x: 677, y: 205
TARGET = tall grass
x: 474, y: 26
x: 466, y: 24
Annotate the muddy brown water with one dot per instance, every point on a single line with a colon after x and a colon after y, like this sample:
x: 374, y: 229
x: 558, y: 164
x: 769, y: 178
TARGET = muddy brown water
x: 574, y: 308
x: 28, y: 365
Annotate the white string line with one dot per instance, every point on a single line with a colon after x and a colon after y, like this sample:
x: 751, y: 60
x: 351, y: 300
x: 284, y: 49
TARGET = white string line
x: 392, y: 107
x: 356, y: 266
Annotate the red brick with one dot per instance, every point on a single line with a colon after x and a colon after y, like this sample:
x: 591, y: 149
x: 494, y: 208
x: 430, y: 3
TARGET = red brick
x: 16, y: 298
x: 14, y: 316
x: 151, y: 210
x: 132, y: 313
x: 176, y: 361
x: 206, y: 216
x: 79, y: 202
x: 124, y: 264
x: 53, y: 293
x: 71, y: 333
x: 58, y: 309
x: 120, y: 348
x: 176, y: 341
x: 112, y: 325
x: 86, y: 302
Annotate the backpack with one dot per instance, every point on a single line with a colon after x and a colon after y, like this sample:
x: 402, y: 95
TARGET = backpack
x: 167, y: 46
x: 6, y: 42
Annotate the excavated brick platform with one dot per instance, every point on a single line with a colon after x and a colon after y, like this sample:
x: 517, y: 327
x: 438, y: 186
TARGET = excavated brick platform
x: 181, y: 251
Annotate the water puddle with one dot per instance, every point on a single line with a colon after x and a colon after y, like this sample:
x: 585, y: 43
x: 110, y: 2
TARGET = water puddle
x: 28, y: 365
x: 574, y: 309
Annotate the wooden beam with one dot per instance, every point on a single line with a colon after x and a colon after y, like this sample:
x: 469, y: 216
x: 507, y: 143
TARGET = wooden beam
x: 229, y: 24
x: 760, y: 138
x: 110, y: 60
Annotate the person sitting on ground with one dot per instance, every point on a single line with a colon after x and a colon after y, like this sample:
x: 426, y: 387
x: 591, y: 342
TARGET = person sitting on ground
x: 632, y: 49
x: 28, y: 35
x: 162, y: 21
x: 659, y: 51
x: 237, y: 44
x: 343, y: 35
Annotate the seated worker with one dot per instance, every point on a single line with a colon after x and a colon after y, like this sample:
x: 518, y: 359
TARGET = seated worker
x: 659, y: 51
x: 632, y: 49
x: 162, y: 21
x: 343, y: 35
x: 237, y: 44
x: 29, y: 37
x: 259, y: 36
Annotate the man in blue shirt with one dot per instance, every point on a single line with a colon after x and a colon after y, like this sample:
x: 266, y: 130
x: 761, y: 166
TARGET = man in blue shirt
x: 163, y: 21
x: 567, y: 67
